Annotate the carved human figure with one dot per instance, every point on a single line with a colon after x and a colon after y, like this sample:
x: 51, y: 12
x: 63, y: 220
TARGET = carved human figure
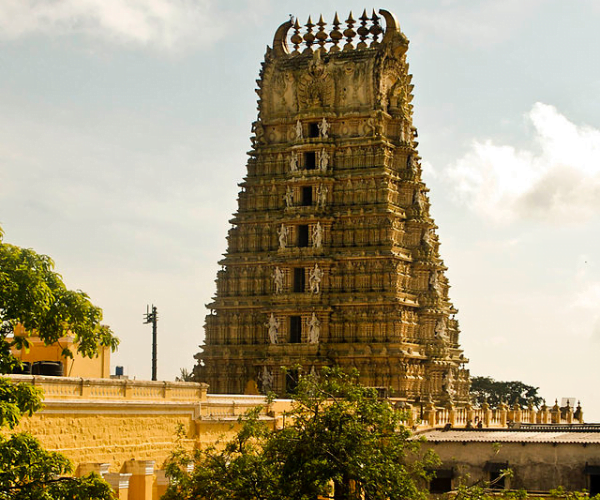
x: 259, y: 134
x: 278, y: 280
x: 428, y: 238
x: 317, y: 236
x: 314, y: 329
x: 433, y: 281
x: 314, y: 279
x: 419, y: 199
x: 299, y: 134
x: 324, y: 128
x: 322, y: 195
x: 273, y: 328
x: 282, y: 233
x: 440, y: 329
x: 448, y: 385
x: 323, y: 160
x: 294, y: 162
x: 288, y: 197
x: 267, y: 379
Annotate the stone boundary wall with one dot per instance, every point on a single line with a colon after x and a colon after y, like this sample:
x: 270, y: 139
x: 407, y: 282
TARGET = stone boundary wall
x: 126, y: 429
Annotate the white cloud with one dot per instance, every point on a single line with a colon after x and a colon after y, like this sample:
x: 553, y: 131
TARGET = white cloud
x: 168, y: 24
x: 557, y: 178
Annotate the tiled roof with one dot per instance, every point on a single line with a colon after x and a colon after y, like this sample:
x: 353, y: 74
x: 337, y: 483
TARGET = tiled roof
x: 582, y: 434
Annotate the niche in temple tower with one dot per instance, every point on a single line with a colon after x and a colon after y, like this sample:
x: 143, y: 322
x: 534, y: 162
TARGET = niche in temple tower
x: 333, y: 257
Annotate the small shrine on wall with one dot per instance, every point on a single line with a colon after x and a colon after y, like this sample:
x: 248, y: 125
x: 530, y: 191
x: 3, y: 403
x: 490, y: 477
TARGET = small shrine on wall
x: 333, y: 257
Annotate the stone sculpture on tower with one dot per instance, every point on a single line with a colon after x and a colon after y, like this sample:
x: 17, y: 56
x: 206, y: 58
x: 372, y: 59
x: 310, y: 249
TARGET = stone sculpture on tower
x: 332, y: 257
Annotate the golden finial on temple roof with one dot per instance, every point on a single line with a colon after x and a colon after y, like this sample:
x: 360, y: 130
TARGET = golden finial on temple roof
x: 367, y: 31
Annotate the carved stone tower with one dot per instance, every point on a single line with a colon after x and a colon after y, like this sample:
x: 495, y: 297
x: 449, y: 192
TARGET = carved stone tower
x: 333, y: 257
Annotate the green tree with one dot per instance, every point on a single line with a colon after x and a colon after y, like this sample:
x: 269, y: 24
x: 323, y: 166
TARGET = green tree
x: 486, y: 389
x: 34, y: 295
x: 339, y: 436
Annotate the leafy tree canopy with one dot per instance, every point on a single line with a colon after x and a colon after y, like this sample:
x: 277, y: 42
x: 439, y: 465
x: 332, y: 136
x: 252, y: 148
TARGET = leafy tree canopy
x: 34, y: 295
x: 486, y: 389
x: 339, y: 436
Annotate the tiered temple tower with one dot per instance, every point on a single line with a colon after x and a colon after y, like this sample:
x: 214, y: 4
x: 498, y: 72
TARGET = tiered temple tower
x: 332, y: 256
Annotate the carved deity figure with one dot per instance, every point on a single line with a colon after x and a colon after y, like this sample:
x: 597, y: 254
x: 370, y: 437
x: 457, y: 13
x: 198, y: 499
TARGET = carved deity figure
x: 266, y: 378
x: 282, y: 233
x: 324, y: 128
x: 299, y: 134
x: 288, y: 197
x: 273, y: 327
x: 314, y: 329
x: 322, y: 195
x: 294, y: 162
x: 317, y: 236
x: 278, y: 280
x: 434, y: 283
x: 428, y: 238
x: 323, y: 160
x: 419, y: 200
x: 259, y: 134
x: 440, y: 329
x: 314, y: 280
x: 448, y: 385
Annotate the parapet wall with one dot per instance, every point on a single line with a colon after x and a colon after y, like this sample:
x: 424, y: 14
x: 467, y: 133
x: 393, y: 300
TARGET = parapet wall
x: 117, y: 426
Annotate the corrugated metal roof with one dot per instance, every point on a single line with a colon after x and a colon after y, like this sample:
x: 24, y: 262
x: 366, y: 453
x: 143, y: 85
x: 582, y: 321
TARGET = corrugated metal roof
x: 511, y: 436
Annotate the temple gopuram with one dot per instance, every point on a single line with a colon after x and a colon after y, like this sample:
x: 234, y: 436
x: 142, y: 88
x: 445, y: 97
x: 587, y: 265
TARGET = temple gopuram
x: 333, y: 257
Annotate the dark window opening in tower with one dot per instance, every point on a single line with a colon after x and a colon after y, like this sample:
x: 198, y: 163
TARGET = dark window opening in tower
x: 307, y: 196
x: 310, y: 160
x: 291, y: 381
x: 313, y: 129
x: 299, y: 279
x: 295, y: 329
x: 303, y: 236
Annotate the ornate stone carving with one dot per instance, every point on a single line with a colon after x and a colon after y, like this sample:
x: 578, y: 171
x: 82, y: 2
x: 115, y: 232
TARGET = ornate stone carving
x: 386, y: 304
x: 293, y: 161
x: 317, y: 236
x: 288, y: 197
x: 273, y: 328
x: 323, y: 160
x: 321, y: 196
x: 278, y: 280
x: 316, y: 87
x: 314, y: 280
x: 324, y: 129
x: 314, y: 329
x: 282, y: 234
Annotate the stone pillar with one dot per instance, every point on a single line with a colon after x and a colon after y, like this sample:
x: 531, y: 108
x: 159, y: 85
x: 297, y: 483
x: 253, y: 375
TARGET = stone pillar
x: 579, y: 413
x: 203, y: 391
x: 85, y: 468
x: 160, y: 484
x: 569, y: 413
x: 142, y: 478
x: 451, y: 414
x: 487, y: 414
x: 119, y: 482
x: 555, y: 413
x: 430, y: 414
x: 470, y: 413
x: 545, y: 414
x: 532, y: 414
x: 502, y: 410
x: 517, y: 413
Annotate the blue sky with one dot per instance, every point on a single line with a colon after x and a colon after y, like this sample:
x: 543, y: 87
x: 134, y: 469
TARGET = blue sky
x: 125, y: 125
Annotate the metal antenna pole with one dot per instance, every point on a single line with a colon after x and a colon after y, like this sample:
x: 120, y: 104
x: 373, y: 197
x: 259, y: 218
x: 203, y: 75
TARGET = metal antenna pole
x: 152, y: 317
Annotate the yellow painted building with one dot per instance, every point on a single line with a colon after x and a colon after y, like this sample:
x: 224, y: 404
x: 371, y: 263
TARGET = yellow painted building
x: 77, y: 366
